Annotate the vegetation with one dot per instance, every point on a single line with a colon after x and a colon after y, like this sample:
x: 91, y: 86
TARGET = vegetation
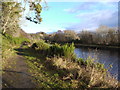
x: 10, y: 16
x: 11, y: 32
x: 11, y: 13
x: 62, y: 36
x: 36, y: 8
x: 65, y: 50
x: 41, y: 45
x: 8, y: 45
x: 102, y: 36
x: 53, y: 65
x: 62, y: 72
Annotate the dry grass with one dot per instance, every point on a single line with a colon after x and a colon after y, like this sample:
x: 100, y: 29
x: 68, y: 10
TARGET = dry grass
x: 91, y: 76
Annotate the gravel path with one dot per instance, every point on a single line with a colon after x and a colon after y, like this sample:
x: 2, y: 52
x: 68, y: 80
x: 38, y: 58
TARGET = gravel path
x: 17, y: 74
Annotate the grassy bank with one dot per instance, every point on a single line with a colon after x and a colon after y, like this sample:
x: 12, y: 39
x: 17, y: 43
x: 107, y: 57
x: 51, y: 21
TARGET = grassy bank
x: 56, y: 66
x: 8, y: 45
x: 92, y: 45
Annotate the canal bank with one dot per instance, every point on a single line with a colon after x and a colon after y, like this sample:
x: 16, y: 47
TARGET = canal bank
x: 105, y: 56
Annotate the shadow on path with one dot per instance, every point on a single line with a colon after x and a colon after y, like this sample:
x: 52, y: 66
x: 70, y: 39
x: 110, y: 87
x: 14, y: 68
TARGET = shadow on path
x: 17, y: 75
x: 49, y: 65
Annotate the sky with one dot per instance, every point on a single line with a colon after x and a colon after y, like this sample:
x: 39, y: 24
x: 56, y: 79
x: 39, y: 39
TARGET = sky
x: 74, y: 16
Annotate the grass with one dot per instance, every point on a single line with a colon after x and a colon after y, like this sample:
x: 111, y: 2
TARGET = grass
x: 55, y: 66
x: 47, y: 75
x: 8, y: 45
x: 60, y: 72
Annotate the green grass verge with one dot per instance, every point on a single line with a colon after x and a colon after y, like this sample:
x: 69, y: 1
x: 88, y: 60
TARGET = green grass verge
x: 8, y: 44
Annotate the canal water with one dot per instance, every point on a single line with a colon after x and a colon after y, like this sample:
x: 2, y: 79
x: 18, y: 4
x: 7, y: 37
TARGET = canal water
x: 104, y: 56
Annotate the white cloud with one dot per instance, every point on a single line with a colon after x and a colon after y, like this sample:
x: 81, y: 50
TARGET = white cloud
x: 85, y: 6
x: 91, y: 20
x: 100, y: 17
x: 91, y: 15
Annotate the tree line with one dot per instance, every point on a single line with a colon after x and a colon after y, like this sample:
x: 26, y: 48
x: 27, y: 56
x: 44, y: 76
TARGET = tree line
x: 103, y: 35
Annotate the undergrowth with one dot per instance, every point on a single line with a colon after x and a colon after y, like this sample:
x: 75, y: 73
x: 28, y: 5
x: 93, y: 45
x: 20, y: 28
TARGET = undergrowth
x: 58, y: 67
x: 66, y: 51
x: 8, y: 45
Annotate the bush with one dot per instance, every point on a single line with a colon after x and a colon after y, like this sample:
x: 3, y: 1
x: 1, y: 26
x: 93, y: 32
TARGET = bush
x: 41, y: 45
x: 100, y: 67
x: 68, y: 51
x: 80, y: 61
x: 65, y: 50
x: 15, y: 40
x: 55, y: 50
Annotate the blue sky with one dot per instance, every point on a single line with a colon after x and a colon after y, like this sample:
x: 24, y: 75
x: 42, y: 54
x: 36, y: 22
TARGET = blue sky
x: 74, y: 16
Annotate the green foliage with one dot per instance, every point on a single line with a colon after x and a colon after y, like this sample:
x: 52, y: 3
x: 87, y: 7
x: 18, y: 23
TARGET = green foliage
x: 36, y: 9
x: 15, y: 40
x: 11, y: 12
x: 67, y: 51
x: 42, y: 45
x: 89, y: 62
x: 100, y: 67
x: 50, y: 75
x: 9, y: 43
x: 80, y: 61
x: 55, y: 50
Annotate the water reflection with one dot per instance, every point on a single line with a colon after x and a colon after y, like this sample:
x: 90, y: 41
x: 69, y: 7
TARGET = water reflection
x: 107, y: 57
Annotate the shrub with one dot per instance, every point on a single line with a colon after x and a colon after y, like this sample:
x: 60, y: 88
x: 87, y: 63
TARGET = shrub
x: 41, y: 45
x: 15, y: 40
x: 67, y: 51
x: 100, y: 67
x: 55, y: 50
x: 80, y: 61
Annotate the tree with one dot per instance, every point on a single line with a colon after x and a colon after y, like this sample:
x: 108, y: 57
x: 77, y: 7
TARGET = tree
x: 11, y: 12
x: 10, y: 16
x: 59, y: 37
x: 86, y: 37
x: 36, y: 8
x: 102, y: 29
x: 70, y: 35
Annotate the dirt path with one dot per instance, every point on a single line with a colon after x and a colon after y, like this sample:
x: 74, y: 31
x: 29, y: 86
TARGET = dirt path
x: 17, y: 74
